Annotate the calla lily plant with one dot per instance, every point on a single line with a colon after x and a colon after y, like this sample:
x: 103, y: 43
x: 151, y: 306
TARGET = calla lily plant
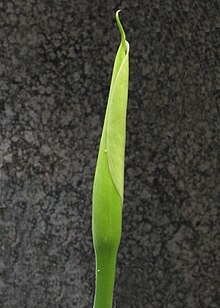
x: 108, y: 187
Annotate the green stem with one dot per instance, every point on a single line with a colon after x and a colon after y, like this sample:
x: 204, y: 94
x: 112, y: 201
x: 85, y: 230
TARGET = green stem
x: 105, y: 276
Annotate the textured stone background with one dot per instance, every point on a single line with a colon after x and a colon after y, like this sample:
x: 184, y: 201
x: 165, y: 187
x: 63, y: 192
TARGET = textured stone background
x: 56, y: 59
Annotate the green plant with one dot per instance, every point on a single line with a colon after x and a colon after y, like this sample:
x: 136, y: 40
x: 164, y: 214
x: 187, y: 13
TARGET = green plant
x: 108, y: 188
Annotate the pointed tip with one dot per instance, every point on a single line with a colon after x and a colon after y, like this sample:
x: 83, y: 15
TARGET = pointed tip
x: 123, y: 37
x: 118, y: 11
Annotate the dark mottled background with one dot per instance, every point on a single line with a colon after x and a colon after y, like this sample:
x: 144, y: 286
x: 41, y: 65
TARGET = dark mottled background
x: 56, y: 59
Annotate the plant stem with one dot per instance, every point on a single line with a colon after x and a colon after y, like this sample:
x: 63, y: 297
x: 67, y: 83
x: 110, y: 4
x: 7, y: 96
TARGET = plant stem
x: 105, y: 276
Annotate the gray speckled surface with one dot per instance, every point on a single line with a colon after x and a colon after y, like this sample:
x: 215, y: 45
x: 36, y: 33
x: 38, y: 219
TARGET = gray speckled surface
x: 55, y: 66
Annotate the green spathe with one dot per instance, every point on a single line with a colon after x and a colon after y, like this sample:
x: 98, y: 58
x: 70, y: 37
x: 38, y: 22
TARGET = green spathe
x: 108, y: 185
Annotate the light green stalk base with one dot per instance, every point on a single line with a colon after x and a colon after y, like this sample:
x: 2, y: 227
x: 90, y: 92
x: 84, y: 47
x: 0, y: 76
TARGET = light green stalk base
x: 105, y: 276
